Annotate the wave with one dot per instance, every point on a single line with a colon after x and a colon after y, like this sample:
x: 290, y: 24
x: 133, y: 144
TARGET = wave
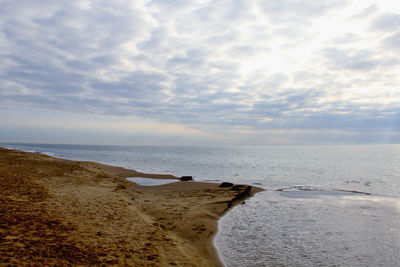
x: 297, y: 188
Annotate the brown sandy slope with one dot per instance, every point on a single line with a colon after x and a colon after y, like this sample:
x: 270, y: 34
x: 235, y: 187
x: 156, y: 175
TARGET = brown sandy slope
x: 55, y: 211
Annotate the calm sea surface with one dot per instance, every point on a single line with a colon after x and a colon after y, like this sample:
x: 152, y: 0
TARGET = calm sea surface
x: 314, y: 220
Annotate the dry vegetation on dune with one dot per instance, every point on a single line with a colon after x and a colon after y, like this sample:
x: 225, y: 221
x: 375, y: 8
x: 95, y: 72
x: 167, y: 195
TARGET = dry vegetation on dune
x: 55, y: 211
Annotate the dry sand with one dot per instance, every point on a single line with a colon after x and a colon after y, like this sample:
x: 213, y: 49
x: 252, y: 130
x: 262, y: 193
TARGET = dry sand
x: 56, y: 211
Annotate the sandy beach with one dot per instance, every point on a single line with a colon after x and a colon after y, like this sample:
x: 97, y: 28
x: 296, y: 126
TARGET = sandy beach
x: 56, y: 211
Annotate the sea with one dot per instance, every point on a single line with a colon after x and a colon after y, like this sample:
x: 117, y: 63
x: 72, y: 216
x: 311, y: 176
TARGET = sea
x: 322, y: 205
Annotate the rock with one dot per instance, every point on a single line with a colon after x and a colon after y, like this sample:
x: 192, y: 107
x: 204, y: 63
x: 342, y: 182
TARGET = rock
x: 243, y: 193
x: 238, y: 187
x: 225, y: 184
x: 186, y: 178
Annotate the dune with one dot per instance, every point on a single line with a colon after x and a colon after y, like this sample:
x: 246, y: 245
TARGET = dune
x: 57, y: 211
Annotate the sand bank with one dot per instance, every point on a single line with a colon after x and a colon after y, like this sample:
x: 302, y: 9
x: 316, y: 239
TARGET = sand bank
x: 56, y: 211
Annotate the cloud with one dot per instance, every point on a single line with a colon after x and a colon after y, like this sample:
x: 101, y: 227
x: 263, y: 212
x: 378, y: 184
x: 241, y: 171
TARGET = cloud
x: 392, y: 41
x: 216, y: 66
x: 366, y: 12
x: 387, y: 22
x: 354, y: 60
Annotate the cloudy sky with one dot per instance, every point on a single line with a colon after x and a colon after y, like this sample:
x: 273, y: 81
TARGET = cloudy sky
x: 200, y: 72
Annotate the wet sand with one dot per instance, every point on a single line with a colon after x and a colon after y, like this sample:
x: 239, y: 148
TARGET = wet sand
x: 56, y: 211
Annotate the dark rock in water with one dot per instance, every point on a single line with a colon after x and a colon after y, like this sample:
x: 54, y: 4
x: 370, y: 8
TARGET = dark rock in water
x: 244, y: 192
x: 238, y: 187
x: 186, y: 178
x: 225, y: 184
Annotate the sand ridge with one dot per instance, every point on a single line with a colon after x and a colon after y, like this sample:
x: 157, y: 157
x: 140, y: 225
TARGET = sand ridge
x: 57, y: 211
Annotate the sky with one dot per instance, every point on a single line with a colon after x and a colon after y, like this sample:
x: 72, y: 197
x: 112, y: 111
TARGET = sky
x: 200, y: 72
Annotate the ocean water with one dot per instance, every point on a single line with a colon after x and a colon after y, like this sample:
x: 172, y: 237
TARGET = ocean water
x: 322, y: 205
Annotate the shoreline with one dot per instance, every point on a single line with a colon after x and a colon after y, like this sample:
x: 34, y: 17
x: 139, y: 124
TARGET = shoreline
x: 89, y: 213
